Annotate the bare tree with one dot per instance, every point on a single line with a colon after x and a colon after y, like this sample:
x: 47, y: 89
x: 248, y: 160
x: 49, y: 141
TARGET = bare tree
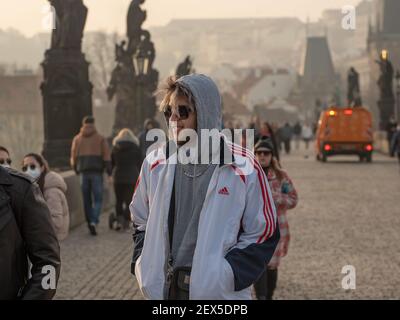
x: 21, y: 134
x: 100, y: 50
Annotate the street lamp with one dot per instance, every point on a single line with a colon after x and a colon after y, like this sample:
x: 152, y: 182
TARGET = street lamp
x: 141, y: 62
x: 398, y: 96
x: 384, y: 54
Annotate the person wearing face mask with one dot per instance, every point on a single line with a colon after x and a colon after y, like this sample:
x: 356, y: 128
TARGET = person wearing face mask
x: 53, y: 188
x: 202, y: 231
x: 5, y: 160
x: 285, y: 198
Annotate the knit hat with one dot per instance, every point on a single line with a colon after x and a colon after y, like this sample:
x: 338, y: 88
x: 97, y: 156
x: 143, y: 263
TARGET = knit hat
x: 264, y: 144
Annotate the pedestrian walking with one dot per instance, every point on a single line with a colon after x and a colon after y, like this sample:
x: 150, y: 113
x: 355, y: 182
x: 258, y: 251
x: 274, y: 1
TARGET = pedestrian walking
x: 285, y: 135
x: 297, y: 134
x: 202, y: 231
x: 26, y: 231
x: 306, y: 134
x: 126, y: 158
x: 53, y: 188
x: 285, y: 198
x: 390, y: 129
x: 90, y: 157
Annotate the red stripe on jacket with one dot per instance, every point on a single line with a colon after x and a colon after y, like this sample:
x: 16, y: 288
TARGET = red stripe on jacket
x: 251, y: 157
x: 267, y: 209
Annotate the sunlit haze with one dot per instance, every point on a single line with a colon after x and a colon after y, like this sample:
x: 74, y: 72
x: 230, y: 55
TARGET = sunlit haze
x: 109, y: 15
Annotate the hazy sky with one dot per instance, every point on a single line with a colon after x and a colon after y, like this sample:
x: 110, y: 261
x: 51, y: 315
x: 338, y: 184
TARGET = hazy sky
x: 109, y: 15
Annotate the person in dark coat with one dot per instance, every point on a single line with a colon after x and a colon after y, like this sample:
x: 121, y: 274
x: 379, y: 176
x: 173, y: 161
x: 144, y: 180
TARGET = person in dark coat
x: 285, y: 136
x: 126, y: 158
x: 26, y: 231
x: 144, y: 144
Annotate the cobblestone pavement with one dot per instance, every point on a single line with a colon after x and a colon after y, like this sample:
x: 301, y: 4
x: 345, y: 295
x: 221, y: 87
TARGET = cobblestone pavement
x: 348, y: 214
x: 97, y: 267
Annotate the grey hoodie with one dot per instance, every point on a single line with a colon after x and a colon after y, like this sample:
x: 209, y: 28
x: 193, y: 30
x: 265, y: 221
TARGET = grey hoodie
x: 191, y: 181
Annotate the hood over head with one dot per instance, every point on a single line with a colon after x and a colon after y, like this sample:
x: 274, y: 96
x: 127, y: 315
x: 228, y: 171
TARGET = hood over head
x: 207, y: 100
x: 54, y: 180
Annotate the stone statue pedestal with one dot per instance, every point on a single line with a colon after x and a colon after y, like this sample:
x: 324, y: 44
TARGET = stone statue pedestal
x: 386, y: 110
x: 67, y: 98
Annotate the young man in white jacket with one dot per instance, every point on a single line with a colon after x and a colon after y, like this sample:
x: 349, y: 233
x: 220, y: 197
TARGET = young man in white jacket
x: 202, y: 231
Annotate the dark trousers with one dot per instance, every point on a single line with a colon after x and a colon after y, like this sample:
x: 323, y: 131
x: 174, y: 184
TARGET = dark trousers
x: 179, y: 284
x: 286, y: 144
x: 123, y: 198
x: 266, y: 284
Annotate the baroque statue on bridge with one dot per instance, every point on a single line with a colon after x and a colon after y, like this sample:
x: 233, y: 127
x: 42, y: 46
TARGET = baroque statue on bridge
x: 135, y: 20
x: 353, y: 91
x: 385, y: 81
x: 70, y: 22
x: 185, y: 67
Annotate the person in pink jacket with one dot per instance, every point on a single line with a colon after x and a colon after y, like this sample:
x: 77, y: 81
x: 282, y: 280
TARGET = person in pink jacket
x: 53, y: 188
x: 285, y: 198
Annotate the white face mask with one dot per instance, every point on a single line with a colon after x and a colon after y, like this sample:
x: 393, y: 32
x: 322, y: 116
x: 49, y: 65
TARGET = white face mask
x: 34, y: 174
x: 6, y: 165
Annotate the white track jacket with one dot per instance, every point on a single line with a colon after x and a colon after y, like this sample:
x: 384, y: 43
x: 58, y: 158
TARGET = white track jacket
x: 237, y: 233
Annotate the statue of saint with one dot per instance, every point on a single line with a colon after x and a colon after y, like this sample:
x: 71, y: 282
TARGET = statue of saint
x: 70, y: 23
x: 385, y: 81
x: 353, y: 91
x: 135, y: 19
x: 185, y: 67
x: 122, y: 76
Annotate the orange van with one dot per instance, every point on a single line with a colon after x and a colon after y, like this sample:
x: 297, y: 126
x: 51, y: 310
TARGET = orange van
x: 344, y: 131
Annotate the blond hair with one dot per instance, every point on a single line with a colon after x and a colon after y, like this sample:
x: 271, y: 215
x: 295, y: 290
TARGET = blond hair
x: 126, y: 135
x: 171, y: 89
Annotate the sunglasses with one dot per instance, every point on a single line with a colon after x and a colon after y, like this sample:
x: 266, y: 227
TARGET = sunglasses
x: 4, y: 161
x: 183, y: 112
x: 25, y: 168
x: 265, y: 153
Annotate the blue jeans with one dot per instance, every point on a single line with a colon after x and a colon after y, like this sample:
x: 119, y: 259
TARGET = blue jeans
x: 92, y: 190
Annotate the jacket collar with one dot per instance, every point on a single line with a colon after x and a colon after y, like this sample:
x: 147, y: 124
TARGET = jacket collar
x: 169, y: 150
x: 5, y: 177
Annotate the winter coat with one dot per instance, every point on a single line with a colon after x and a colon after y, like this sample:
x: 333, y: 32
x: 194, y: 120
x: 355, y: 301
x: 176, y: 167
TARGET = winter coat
x: 285, y: 133
x: 126, y: 159
x: 90, y: 152
x: 26, y: 230
x: 237, y: 232
x: 54, y: 194
x: 285, y: 198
